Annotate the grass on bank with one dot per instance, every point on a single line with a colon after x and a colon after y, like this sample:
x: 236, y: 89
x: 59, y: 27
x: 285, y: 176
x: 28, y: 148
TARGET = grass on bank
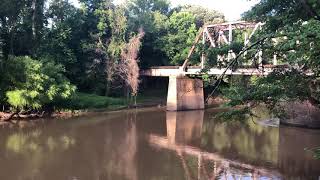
x: 84, y: 101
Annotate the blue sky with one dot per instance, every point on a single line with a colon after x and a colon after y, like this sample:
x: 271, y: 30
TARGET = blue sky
x: 232, y: 9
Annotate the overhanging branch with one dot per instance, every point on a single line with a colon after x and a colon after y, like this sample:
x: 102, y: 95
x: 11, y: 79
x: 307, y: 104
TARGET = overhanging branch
x: 231, y: 63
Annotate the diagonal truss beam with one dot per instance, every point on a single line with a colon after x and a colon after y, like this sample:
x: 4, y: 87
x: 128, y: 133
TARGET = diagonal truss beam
x: 216, y: 35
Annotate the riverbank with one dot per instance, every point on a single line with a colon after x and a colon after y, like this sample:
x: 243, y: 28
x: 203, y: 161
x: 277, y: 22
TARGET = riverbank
x: 90, y: 104
x: 146, y: 99
x: 83, y: 103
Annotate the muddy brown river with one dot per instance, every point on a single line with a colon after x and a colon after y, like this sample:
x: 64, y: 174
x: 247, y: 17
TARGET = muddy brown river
x: 152, y: 144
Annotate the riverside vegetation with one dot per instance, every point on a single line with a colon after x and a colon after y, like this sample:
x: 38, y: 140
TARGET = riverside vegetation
x: 56, y: 56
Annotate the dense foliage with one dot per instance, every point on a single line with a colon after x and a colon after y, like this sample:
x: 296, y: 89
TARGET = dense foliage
x: 37, y: 84
x: 49, y: 48
x: 182, y: 31
x: 292, y: 32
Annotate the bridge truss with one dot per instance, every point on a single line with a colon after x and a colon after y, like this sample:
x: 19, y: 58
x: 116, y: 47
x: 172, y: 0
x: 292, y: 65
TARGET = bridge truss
x: 216, y: 36
x: 221, y: 34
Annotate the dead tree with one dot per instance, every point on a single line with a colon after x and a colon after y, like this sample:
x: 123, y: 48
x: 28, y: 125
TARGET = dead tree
x: 128, y: 68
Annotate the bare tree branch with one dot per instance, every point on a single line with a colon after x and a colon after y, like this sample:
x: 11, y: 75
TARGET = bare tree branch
x: 128, y: 68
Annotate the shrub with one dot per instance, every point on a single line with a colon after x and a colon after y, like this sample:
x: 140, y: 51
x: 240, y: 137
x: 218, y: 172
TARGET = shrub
x: 40, y: 84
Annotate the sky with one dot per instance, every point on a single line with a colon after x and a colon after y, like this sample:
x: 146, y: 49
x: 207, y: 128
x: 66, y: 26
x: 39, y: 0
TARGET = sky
x: 232, y: 9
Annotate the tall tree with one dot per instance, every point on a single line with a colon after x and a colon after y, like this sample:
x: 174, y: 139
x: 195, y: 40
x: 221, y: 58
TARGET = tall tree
x: 21, y: 24
x: 180, y: 37
x: 63, y: 38
x: 37, y: 22
x: 112, y: 28
x: 150, y: 15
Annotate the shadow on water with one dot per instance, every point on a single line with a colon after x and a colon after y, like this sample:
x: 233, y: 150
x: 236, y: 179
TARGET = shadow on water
x: 154, y: 144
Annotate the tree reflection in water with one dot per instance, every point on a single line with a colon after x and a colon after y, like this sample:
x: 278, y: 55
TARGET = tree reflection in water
x: 154, y: 144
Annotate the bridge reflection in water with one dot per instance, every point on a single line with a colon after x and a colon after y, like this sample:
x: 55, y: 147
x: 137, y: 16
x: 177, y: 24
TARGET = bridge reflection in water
x: 236, y: 155
x: 152, y: 144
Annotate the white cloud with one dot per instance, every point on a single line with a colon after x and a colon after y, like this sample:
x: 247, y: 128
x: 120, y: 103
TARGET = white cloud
x: 232, y: 9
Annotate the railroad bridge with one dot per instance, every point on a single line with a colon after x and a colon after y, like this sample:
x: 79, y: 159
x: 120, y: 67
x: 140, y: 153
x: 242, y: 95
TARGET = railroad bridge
x: 185, y: 93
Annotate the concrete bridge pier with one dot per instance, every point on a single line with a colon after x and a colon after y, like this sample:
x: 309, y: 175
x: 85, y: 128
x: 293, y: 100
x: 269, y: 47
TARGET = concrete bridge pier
x: 185, y: 93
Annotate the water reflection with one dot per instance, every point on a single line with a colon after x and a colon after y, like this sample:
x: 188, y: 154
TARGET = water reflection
x: 184, y: 137
x: 154, y: 144
x: 71, y: 150
x: 184, y: 127
x: 294, y: 162
x: 250, y: 142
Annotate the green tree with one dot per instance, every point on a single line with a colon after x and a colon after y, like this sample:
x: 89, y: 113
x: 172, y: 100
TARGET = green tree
x: 181, y: 34
x: 283, y: 12
x: 39, y: 85
x: 63, y: 37
x: 151, y: 16
x: 21, y: 28
x: 292, y: 32
x: 112, y: 34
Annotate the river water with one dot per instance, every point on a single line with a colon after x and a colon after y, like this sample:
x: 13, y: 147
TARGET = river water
x: 152, y: 144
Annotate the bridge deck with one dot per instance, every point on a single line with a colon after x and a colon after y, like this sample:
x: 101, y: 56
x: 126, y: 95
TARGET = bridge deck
x: 165, y: 71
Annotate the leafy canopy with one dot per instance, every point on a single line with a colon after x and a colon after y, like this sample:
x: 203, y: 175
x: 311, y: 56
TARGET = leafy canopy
x: 181, y: 34
x: 42, y: 83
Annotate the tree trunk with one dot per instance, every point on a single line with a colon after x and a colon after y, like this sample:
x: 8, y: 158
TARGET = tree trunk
x: 4, y: 37
x: 34, y: 14
x: 34, y: 28
x: 37, y: 16
x: 128, y: 96
x: 11, y: 38
x: 11, y: 116
x: 1, y: 54
x: 107, y: 91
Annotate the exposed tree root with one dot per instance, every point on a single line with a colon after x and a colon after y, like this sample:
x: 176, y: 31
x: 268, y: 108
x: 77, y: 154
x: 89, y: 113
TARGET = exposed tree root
x: 23, y: 116
x: 10, y: 117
